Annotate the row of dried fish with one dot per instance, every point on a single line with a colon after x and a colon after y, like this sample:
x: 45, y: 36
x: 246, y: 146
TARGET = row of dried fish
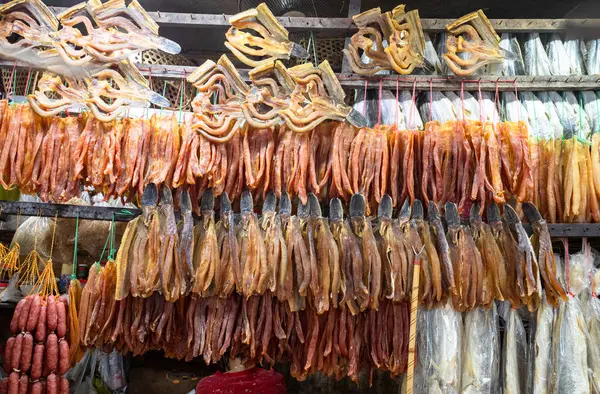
x: 77, y: 48
x: 459, y: 162
x: 308, y: 260
x: 262, y: 328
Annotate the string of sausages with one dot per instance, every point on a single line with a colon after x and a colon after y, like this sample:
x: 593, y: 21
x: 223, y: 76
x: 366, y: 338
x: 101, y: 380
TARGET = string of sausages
x: 37, y: 355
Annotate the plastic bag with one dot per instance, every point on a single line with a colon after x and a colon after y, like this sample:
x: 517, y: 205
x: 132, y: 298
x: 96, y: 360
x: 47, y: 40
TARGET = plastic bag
x: 543, y: 347
x: 557, y: 55
x: 12, y: 292
x: 512, y: 65
x: 592, y: 317
x: 556, y: 129
x: 574, y: 56
x: 391, y: 111
x: 81, y: 376
x: 467, y: 107
x: 112, y: 371
x: 436, y: 106
x: 480, y: 352
x: 439, y: 340
x: 572, y: 116
x: 535, y: 57
x: 514, y: 110
x: 592, y: 57
x: 591, y: 105
x: 412, y: 117
x: 514, y: 354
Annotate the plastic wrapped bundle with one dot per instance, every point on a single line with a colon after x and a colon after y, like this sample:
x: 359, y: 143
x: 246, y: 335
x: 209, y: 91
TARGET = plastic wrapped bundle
x: 543, y: 344
x: 556, y: 128
x: 439, y: 337
x: 432, y: 57
x: 592, y: 316
x: 572, y: 115
x: 538, y: 119
x: 557, y: 55
x: 570, y: 332
x: 512, y: 65
x: 369, y: 108
x: 489, y: 108
x: 514, y: 110
x: 591, y: 105
x: 466, y: 107
x: 592, y: 56
x: 480, y: 352
x: 412, y: 117
x: 441, y: 49
x: 574, y: 56
x: 514, y: 374
x: 436, y: 106
x: 391, y: 110
x: 535, y: 57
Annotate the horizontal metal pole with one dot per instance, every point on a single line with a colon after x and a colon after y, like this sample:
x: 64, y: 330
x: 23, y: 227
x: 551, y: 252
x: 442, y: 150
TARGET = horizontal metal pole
x: 67, y: 211
x: 126, y: 214
x: 405, y: 82
x: 209, y: 21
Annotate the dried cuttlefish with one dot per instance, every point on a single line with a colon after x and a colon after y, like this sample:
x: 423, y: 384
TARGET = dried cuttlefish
x: 473, y: 37
x: 371, y: 269
x: 401, y: 30
x: 545, y: 256
x: 328, y: 259
x: 526, y: 265
x: 257, y: 38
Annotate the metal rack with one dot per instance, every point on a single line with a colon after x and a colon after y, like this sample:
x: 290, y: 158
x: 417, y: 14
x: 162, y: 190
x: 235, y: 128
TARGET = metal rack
x: 126, y: 214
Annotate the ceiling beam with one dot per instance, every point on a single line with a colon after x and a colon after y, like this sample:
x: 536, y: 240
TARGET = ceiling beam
x: 316, y: 25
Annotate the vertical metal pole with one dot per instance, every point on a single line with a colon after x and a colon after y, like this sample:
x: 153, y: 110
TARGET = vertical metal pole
x: 353, y: 9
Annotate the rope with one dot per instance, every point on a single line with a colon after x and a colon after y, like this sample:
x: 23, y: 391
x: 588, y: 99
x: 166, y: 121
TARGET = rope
x: 181, y: 99
x: 397, y: 104
x: 164, y: 92
x: 365, y: 99
x: 379, y: 106
x: 413, y: 99
x: 53, y: 233
x: 430, y: 99
x: 74, y: 270
x: 462, y: 100
x: 518, y: 102
x: 481, y: 118
x: 111, y: 254
x: 28, y: 81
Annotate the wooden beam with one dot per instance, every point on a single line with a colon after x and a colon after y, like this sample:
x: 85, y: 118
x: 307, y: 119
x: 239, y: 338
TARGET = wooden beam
x: 405, y: 82
x: 210, y: 21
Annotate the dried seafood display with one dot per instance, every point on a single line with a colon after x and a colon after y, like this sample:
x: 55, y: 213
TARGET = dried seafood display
x: 89, y: 66
x: 401, y: 31
x: 471, y: 44
x: 257, y: 39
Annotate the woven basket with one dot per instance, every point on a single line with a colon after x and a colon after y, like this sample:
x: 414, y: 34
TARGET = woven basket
x: 172, y: 87
x: 20, y: 84
x: 327, y: 48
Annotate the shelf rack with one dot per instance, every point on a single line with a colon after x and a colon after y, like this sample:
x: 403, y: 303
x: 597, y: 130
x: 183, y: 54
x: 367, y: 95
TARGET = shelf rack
x: 126, y: 214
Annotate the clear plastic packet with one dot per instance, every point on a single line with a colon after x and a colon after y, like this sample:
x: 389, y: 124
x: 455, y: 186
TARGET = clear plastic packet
x: 539, y: 121
x: 466, y: 107
x: 592, y: 56
x: 391, y: 110
x: 412, y: 117
x: 549, y: 110
x: 112, y: 370
x: 514, y: 352
x: 543, y: 347
x: 512, y: 65
x: 535, y: 57
x: 436, y: 106
x: 556, y: 55
x: 12, y: 293
x: 439, y: 346
x: 514, y: 109
x: 574, y: 56
x: 572, y: 115
x: 591, y: 105
x: 480, y: 352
